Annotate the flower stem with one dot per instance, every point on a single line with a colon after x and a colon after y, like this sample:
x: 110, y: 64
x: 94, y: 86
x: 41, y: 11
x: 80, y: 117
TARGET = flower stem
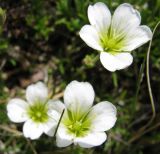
x: 59, y: 123
x: 144, y: 129
x: 148, y: 81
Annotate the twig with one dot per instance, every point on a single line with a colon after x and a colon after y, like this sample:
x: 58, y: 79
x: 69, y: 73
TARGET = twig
x: 31, y: 146
x: 118, y: 139
x: 2, y: 101
x: 10, y: 130
x: 2, y: 64
x: 144, y: 132
x: 57, y: 96
x: 18, y: 133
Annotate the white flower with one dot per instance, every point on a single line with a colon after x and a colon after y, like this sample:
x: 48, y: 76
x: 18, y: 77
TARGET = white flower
x: 40, y: 114
x: 83, y: 124
x: 115, y: 36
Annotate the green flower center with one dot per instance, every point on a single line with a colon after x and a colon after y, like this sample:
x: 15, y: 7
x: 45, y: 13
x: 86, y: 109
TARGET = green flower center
x: 77, y: 124
x: 38, y: 112
x: 112, y: 42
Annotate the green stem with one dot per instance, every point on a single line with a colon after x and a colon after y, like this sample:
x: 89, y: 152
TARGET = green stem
x: 140, y: 79
x: 115, y: 80
x: 148, y: 80
x: 58, y: 123
x: 143, y: 130
x: 76, y: 149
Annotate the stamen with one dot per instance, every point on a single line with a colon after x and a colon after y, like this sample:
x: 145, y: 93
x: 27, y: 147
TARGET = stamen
x: 38, y: 112
x: 79, y: 124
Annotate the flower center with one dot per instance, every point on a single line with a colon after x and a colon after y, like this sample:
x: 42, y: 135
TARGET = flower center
x: 77, y: 123
x: 38, y: 112
x: 112, y: 42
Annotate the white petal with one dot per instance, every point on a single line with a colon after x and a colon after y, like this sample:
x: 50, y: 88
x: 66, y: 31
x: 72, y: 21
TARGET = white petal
x: 50, y: 127
x: 137, y: 37
x: 32, y: 130
x: 90, y: 36
x: 99, y: 16
x: 16, y: 110
x: 79, y: 95
x: 56, y: 105
x: 104, y: 116
x: 36, y: 92
x: 54, y: 115
x: 117, y: 61
x: 91, y: 140
x: 125, y: 18
x: 63, y: 138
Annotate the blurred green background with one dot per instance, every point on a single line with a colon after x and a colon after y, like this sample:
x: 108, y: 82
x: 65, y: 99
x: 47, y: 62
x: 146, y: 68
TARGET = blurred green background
x: 39, y: 40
